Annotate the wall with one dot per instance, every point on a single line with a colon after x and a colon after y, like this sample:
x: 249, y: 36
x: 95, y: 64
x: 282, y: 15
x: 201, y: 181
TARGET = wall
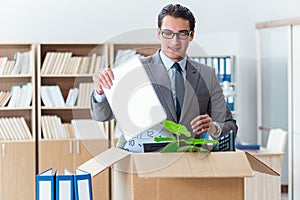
x: 223, y: 27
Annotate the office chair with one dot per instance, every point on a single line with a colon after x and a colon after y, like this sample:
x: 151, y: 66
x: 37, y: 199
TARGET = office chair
x: 277, y: 140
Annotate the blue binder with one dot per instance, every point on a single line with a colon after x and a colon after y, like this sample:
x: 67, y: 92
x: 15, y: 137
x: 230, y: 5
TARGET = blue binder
x: 83, y: 185
x: 65, y: 186
x: 45, y: 185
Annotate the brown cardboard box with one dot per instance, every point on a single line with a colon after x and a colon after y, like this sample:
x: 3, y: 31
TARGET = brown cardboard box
x: 219, y: 175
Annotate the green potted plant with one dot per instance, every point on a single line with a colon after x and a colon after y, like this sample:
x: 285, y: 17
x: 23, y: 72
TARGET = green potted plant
x: 190, y: 145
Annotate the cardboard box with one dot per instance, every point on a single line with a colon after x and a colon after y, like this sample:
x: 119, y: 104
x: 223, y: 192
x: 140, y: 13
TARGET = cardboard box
x: 218, y: 175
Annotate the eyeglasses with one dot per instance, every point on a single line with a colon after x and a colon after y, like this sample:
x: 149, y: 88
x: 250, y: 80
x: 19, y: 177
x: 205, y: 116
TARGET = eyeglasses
x: 182, y: 35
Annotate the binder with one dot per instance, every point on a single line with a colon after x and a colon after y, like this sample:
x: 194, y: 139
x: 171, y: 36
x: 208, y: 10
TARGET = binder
x: 45, y: 185
x: 83, y: 185
x: 222, y: 69
x: 227, y: 76
x: 65, y: 186
x: 247, y: 146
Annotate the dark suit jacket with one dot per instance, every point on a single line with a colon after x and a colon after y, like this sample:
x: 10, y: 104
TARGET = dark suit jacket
x: 203, y: 95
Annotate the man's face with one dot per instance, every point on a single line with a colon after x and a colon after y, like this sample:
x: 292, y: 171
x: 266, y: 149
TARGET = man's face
x: 174, y: 48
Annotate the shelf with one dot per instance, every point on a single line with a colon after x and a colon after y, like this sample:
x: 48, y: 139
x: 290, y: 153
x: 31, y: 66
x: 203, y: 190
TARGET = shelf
x: 65, y: 108
x: 66, y: 75
x: 15, y: 108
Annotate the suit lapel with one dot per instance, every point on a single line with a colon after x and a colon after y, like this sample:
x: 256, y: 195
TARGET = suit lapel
x: 159, y: 77
x: 192, y: 79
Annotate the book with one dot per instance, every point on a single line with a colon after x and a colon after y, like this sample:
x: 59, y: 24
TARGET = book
x: 15, y: 92
x: 45, y: 185
x: 85, y: 64
x: 44, y: 128
x: 18, y: 64
x: 64, y: 62
x: 68, y: 130
x: 25, y: 67
x: 4, y: 130
x: 10, y: 129
x: 28, y: 95
x: 61, y: 131
x: 92, y: 63
x: 9, y: 67
x: 2, y: 134
x: 56, y: 65
x: 72, y: 96
x: 64, y: 186
x: 85, y: 91
x: 3, y: 61
x: 83, y: 185
x: 98, y: 65
x: 14, y: 129
x: 51, y: 96
x: 5, y: 97
x: 48, y: 62
x: 57, y: 96
x: 45, y: 95
x: 24, y: 127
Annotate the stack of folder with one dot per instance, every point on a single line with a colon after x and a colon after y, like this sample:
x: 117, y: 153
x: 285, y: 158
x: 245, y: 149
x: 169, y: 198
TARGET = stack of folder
x: 50, y: 185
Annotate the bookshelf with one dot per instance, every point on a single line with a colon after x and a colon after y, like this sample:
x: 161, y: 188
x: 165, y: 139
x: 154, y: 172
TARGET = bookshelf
x: 17, y: 121
x: 61, y: 67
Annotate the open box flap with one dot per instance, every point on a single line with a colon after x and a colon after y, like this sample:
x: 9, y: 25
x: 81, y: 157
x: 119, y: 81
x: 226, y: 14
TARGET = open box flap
x: 259, y: 166
x: 104, y: 160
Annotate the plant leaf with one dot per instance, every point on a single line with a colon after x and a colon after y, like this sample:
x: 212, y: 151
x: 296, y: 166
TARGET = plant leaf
x: 194, y: 141
x: 175, y: 128
x: 184, y: 131
x: 164, y: 139
x: 172, y: 126
x: 172, y: 147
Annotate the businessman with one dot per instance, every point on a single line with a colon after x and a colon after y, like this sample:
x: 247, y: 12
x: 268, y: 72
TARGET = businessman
x: 189, y: 91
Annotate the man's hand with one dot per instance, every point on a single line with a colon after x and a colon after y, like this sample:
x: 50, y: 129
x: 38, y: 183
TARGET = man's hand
x: 103, y: 80
x: 202, y: 124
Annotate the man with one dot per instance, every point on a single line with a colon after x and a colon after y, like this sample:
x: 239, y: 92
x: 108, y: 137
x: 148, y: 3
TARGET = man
x: 199, y: 104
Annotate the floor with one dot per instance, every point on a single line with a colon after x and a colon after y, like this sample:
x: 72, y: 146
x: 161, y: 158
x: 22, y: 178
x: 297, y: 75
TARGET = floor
x: 284, y: 196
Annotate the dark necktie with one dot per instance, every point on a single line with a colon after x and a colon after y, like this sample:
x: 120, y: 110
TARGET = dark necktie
x: 179, y: 89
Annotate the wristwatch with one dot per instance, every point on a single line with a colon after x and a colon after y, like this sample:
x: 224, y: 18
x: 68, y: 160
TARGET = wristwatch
x: 219, y: 130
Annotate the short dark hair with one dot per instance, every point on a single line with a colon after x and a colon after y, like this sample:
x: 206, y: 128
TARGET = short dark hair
x: 177, y: 11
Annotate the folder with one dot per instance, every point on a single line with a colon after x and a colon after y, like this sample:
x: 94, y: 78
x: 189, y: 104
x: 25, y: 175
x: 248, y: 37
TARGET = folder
x: 83, y: 185
x: 65, y: 186
x: 45, y: 185
x: 133, y: 99
x: 247, y: 146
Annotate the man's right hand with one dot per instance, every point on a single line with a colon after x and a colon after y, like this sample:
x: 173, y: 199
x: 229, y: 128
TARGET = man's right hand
x: 103, y: 80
